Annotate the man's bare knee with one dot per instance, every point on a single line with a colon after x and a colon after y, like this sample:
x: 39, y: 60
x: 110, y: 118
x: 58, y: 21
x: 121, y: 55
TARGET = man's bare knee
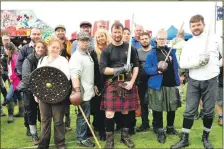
x: 124, y: 112
x: 110, y: 114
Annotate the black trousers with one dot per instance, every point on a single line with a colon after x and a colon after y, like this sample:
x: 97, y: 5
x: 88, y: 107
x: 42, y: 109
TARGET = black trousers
x: 158, y: 119
x: 142, y: 88
x: 31, y: 108
x: 98, y: 115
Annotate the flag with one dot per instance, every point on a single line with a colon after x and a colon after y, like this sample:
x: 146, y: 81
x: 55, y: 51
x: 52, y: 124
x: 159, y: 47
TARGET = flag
x: 219, y: 13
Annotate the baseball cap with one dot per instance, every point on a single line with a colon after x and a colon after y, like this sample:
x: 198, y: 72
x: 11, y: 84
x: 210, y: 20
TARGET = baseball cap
x: 83, y: 36
x: 85, y: 23
x: 59, y: 26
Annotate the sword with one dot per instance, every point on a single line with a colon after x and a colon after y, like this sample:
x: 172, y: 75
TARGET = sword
x: 129, y: 47
x: 174, y: 42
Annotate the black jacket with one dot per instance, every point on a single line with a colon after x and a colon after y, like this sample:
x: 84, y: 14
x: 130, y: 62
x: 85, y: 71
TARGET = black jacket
x: 98, y: 78
x: 29, y: 65
x: 23, y: 53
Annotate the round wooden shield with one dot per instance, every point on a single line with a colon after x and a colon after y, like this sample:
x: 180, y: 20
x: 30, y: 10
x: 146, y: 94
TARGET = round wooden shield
x: 50, y: 84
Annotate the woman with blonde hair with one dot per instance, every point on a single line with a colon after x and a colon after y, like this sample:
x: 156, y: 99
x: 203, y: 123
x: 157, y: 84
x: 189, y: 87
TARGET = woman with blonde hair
x: 102, y: 39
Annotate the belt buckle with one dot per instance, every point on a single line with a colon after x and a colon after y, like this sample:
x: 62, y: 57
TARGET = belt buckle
x: 120, y: 77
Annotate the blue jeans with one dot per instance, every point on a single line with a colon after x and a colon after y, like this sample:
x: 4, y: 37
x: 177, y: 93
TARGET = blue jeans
x: 13, y: 94
x: 81, y: 125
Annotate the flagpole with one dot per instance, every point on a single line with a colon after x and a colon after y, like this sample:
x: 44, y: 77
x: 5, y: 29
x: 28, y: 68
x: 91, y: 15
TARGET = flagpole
x: 215, y: 16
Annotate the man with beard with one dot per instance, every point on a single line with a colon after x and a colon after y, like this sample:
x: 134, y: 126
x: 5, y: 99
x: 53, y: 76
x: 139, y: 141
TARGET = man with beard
x: 82, y: 74
x: 101, y: 24
x: 86, y: 27
x: 142, y: 80
x: 136, y: 40
x: 35, y: 35
x: 60, y: 34
x: 201, y: 56
x: 66, y: 51
x: 121, y: 93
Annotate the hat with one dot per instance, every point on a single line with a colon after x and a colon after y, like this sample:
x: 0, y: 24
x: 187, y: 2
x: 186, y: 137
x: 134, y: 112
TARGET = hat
x: 85, y: 23
x: 59, y: 26
x: 83, y: 36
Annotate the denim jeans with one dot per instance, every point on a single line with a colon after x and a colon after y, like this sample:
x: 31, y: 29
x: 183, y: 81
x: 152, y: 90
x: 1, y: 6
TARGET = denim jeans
x: 13, y: 94
x: 81, y: 125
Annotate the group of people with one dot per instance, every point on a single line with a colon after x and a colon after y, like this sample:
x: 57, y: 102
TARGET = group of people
x: 111, y: 88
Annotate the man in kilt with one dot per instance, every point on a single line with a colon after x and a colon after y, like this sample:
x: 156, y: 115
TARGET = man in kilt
x: 162, y: 91
x: 115, y: 98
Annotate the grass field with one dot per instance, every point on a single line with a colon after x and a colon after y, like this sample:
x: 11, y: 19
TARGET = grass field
x: 13, y: 135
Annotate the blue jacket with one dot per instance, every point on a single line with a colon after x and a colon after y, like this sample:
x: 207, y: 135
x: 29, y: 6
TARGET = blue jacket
x: 135, y: 43
x: 155, y: 79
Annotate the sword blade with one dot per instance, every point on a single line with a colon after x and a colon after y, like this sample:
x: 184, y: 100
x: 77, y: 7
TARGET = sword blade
x: 129, y: 47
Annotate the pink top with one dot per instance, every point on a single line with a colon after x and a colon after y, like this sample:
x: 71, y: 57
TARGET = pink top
x: 11, y: 71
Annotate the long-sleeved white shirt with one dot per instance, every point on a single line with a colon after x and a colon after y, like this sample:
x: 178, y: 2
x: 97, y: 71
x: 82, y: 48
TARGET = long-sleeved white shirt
x: 82, y: 67
x: 197, y: 45
x: 59, y: 62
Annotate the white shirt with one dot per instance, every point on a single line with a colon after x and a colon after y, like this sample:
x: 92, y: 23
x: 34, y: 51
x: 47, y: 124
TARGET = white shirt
x: 59, y: 62
x: 197, y: 45
x: 179, y: 45
x: 82, y: 67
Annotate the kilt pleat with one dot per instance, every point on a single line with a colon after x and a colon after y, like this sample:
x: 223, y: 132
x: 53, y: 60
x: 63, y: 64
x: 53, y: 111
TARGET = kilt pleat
x: 111, y: 101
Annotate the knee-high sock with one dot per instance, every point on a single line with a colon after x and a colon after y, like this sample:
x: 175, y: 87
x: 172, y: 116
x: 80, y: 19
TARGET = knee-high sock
x: 109, y: 124
x: 187, y: 124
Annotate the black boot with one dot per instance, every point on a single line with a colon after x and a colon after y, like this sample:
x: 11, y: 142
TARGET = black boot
x: 161, y: 136
x: 21, y: 109
x: 125, y: 138
x: 206, y: 143
x: 10, y: 107
x: 170, y: 130
x: 109, y: 140
x: 28, y: 131
x: 184, y: 141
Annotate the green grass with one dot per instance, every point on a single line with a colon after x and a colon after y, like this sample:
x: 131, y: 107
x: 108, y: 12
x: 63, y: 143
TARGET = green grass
x: 13, y: 135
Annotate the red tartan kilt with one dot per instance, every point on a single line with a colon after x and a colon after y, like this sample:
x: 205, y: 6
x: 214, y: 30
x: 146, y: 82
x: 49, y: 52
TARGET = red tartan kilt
x: 111, y: 101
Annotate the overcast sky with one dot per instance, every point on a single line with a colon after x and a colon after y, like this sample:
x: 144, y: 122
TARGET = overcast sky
x: 152, y: 15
